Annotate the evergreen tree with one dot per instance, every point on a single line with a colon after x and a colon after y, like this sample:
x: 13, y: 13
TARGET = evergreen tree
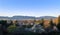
x: 16, y: 23
x: 59, y: 19
x: 51, y: 23
x: 58, y: 25
x: 34, y: 20
x: 3, y: 22
x: 4, y: 26
x: 11, y: 23
x: 42, y: 22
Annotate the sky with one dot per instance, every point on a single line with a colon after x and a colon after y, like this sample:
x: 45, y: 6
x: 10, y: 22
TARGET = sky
x: 30, y: 7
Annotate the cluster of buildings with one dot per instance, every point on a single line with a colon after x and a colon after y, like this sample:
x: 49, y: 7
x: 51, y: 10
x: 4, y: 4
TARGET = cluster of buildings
x: 32, y: 22
x: 36, y: 27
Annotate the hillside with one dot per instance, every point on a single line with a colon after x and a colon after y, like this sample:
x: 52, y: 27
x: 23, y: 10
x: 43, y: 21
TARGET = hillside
x: 26, y: 18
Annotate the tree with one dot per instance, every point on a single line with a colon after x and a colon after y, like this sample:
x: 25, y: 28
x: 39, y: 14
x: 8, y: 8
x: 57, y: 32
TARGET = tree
x: 59, y: 19
x: 42, y: 22
x: 11, y: 28
x: 16, y: 23
x: 3, y: 26
x: 58, y: 25
x: 34, y: 21
x: 51, y: 23
x: 3, y: 22
x: 11, y: 23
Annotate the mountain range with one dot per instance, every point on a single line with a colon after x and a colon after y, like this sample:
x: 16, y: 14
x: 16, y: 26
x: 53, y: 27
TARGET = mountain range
x: 26, y: 17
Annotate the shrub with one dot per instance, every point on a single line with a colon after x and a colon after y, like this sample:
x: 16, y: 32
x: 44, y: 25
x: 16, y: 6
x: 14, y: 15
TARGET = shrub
x: 11, y: 28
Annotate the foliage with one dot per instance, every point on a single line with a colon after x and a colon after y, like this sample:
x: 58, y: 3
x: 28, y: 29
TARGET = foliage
x: 51, y: 23
x: 59, y: 19
x: 58, y: 25
x: 42, y: 22
x: 3, y: 22
x: 11, y: 28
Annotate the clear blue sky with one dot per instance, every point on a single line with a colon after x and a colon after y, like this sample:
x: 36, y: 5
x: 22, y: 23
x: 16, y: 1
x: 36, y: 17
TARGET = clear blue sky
x: 30, y: 7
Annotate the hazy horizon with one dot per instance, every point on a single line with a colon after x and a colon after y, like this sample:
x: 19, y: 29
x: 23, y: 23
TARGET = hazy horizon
x: 35, y: 8
x: 28, y: 16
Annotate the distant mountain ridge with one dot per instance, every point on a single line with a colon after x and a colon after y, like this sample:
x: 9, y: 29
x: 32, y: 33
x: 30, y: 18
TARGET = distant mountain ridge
x: 25, y: 17
x: 47, y: 17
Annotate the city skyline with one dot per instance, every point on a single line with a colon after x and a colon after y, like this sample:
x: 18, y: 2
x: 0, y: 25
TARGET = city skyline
x: 30, y: 7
